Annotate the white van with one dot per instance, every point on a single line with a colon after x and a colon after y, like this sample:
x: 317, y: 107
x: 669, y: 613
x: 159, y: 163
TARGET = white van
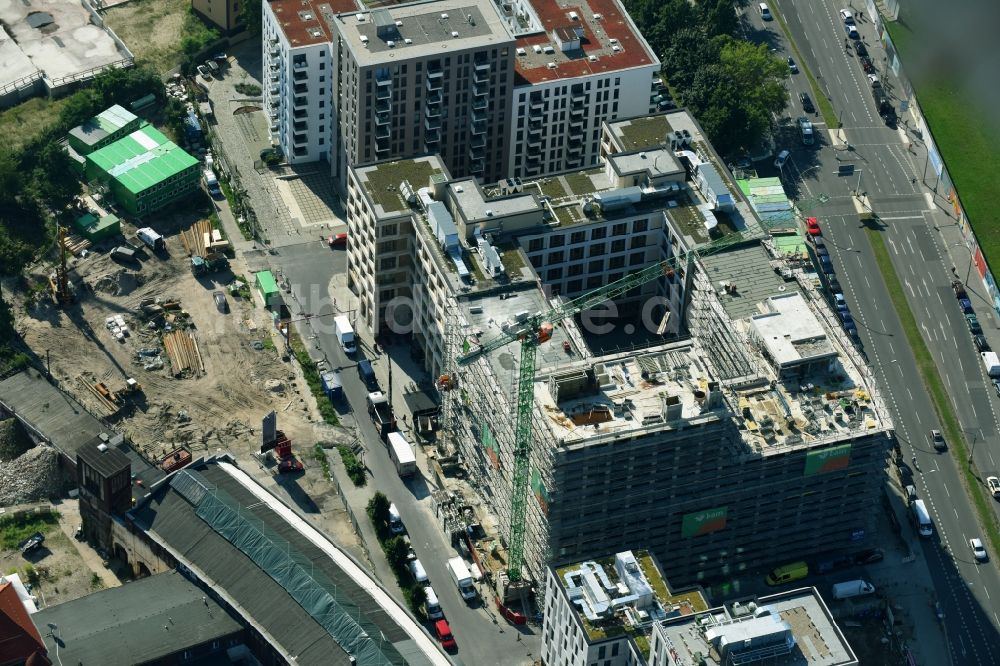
x: 922, y: 518
x: 432, y: 606
x: 765, y: 12
x: 417, y: 569
x: 852, y: 588
x: 395, y: 522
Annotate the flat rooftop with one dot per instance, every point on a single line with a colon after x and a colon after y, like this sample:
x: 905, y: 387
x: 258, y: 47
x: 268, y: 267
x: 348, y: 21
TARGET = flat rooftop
x: 105, y: 123
x: 146, y: 620
x: 818, y: 640
x: 749, y: 272
x: 381, y: 181
x: 478, y: 208
x: 57, y: 38
x: 609, y: 41
x: 420, y: 30
x: 605, y: 609
x: 16, y: 68
x: 307, y: 22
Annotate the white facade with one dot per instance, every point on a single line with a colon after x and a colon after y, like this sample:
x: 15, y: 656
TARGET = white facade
x: 557, y: 124
x: 296, y: 83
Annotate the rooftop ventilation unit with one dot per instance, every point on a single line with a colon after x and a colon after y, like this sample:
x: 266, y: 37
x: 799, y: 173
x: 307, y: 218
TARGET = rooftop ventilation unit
x: 391, y: 44
x: 454, y: 33
x: 536, y: 48
x: 574, y: 16
x: 549, y: 49
x: 444, y: 16
x: 364, y: 40
x: 360, y: 17
x: 551, y: 65
x: 616, y: 48
x: 521, y: 51
x: 598, y: 17
x: 399, y: 24
x: 407, y: 40
x: 592, y: 58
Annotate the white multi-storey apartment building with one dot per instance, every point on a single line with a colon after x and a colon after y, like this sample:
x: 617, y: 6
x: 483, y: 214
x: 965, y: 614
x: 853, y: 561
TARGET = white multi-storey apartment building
x: 297, y: 76
x: 579, y: 63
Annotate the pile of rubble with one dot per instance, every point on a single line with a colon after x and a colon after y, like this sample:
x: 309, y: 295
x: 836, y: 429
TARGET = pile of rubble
x: 30, y: 477
x: 119, y: 283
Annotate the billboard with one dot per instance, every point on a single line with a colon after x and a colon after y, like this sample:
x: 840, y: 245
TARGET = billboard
x: 539, y: 489
x: 704, y: 522
x: 490, y: 445
x: 831, y: 459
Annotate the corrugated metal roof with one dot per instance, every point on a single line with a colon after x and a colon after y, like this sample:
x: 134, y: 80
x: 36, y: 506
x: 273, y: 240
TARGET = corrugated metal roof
x: 142, y: 159
x: 266, y: 282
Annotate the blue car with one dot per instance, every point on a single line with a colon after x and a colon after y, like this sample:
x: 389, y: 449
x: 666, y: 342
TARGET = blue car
x: 966, y: 305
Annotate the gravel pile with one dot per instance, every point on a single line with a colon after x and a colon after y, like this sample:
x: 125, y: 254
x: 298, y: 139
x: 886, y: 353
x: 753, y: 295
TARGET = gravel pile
x: 30, y: 477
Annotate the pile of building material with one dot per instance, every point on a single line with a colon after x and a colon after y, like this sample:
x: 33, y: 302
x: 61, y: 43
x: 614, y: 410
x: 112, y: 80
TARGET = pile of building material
x: 116, y: 326
x: 30, y: 477
x: 201, y: 240
x: 182, y: 350
x: 75, y: 244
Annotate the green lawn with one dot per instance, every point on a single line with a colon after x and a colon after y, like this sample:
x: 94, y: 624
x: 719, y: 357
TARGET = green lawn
x: 22, y: 123
x: 970, y: 147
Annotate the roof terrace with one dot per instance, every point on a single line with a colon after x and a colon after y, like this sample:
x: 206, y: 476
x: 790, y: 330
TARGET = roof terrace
x: 382, y: 181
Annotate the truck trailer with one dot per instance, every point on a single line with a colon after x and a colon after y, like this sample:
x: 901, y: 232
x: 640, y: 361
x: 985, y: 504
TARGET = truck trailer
x: 402, y: 454
x: 381, y: 413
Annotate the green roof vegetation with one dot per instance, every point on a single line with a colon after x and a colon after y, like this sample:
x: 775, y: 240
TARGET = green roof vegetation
x: 142, y: 159
x: 382, y: 181
x: 512, y: 257
x: 644, y: 132
x: 553, y: 187
x: 579, y: 183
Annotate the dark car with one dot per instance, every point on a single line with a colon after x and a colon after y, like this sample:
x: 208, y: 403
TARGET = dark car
x: 32, y: 543
x: 367, y: 374
x: 860, y: 49
x: 792, y: 67
x: 959, y: 289
x: 974, y: 326
x: 807, y: 103
x: 870, y: 556
x: 996, y: 385
x: 982, y: 345
x: 835, y: 563
x: 966, y: 305
x: 221, y: 304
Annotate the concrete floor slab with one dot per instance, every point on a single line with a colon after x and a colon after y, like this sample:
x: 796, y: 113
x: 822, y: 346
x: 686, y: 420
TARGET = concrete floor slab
x: 65, y: 41
x: 14, y: 64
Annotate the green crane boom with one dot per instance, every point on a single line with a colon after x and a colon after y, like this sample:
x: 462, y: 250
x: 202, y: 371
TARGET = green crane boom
x: 535, y: 330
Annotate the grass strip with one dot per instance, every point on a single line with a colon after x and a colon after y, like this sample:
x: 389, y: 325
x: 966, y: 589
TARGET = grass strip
x: 932, y: 381
x: 355, y: 470
x: 311, y: 374
x: 825, y: 106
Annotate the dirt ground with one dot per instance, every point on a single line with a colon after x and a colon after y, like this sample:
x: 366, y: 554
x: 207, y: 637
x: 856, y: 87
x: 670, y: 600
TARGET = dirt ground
x: 151, y: 29
x: 218, y: 410
x: 64, y: 573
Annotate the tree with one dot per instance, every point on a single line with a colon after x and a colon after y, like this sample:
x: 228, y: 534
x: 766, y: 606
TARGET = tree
x: 719, y: 17
x: 11, y: 182
x: 415, y: 597
x: 378, y: 510
x: 80, y: 107
x: 250, y: 15
x: 54, y: 180
x: 396, y: 551
x: 689, y: 52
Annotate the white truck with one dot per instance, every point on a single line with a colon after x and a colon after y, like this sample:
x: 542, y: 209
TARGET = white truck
x: 992, y: 363
x: 463, y: 579
x: 345, y: 334
x: 852, y: 588
x: 922, y: 519
x: 431, y: 604
x: 402, y: 454
x: 211, y: 183
x: 152, y: 239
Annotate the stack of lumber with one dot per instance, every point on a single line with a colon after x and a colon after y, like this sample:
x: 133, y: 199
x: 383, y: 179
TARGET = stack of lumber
x: 182, y: 350
x: 200, y: 240
x: 74, y: 244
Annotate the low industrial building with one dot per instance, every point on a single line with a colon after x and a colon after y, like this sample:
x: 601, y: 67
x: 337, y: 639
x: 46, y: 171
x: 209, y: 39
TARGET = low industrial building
x: 96, y: 229
x: 301, y: 598
x: 602, y: 611
x: 162, y: 619
x: 102, y: 130
x: 793, y: 627
x: 20, y: 640
x: 143, y: 170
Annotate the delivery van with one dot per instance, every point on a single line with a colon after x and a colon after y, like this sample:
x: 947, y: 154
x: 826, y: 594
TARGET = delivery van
x: 786, y: 573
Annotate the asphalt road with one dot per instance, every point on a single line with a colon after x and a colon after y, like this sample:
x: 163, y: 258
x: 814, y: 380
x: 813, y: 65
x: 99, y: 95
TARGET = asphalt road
x: 310, y: 268
x: 915, y: 231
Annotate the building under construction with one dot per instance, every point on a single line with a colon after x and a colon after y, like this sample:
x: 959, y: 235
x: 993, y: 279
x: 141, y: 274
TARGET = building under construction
x: 724, y: 421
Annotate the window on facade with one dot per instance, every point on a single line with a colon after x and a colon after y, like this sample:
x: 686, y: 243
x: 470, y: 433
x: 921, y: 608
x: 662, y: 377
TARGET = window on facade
x: 636, y: 258
x: 555, y: 257
x: 618, y: 245
x: 596, y: 266
x: 387, y: 264
x: 640, y: 225
x: 594, y: 282
x: 557, y: 240
x: 597, y: 249
x: 598, y: 233
x: 576, y: 269
x: 616, y: 262
x: 535, y: 244
x: 574, y: 285
x: 554, y: 274
x: 578, y: 237
x: 619, y: 229
x: 536, y: 261
x: 576, y: 253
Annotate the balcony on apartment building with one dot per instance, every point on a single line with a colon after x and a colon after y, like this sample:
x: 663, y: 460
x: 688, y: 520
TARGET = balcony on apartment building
x: 381, y: 146
x: 274, y: 89
x: 434, y: 97
x: 274, y: 77
x: 477, y: 166
x: 481, y: 73
x: 300, y: 89
x: 536, y: 106
x: 300, y: 126
x: 432, y: 123
x: 300, y: 139
x: 431, y: 140
x: 480, y: 103
x: 300, y: 114
x: 478, y: 141
x: 382, y: 117
x: 300, y: 75
x: 300, y: 103
x: 432, y: 111
x: 477, y: 126
x: 383, y: 132
x: 383, y: 93
x: 480, y: 88
x: 273, y: 51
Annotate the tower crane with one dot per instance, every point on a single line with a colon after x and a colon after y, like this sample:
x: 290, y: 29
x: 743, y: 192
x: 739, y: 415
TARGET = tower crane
x: 537, y: 329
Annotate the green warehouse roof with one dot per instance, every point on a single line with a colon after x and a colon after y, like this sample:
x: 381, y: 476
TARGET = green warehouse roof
x: 142, y: 159
x: 106, y: 122
x: 266, y: 283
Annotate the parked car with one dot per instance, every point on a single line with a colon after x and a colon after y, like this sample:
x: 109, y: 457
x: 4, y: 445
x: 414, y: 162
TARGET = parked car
x: 993, y: 483
x: 846, y: 317
x: 966, y: 305
x: 959, y: 289
x: 765, y: 11
x: 851, y: 31
x: 32, y: 543
x: 417, y: 570
x: 982, y: 345
x: 783, y: 156
x: 973, y: 323
x: 937, y: 441
x: 873, y: 81
x: 870, y: 556
x: 221, y: 304
x: 860, y: 48
x: 812, y: 227
x: 443, y: 633
x: 792, y: 67
x: 337, y: 240
x: 978, y: 550
x: 996, y: 385
x: 847, y: 16
x: 807, y: 103
x: 839, y: 300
